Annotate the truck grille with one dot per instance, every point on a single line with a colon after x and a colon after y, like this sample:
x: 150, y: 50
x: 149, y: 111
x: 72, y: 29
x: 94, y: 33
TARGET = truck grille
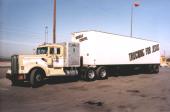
x: 14, y: 65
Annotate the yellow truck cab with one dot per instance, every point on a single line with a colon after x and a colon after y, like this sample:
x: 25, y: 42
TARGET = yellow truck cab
x: 50, y: 60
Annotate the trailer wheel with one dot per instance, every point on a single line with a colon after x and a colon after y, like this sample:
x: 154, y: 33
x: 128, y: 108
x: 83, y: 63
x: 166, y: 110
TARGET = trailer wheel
x: 90, y: 74
x: 150, y: 69
x: 153, y: 68
x: 101, y: 73
x: 156, y: 68
x: 36, y: 77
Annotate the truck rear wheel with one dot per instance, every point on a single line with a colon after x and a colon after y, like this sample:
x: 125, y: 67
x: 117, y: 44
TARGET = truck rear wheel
x: 36, y: 77
x: 90, y: 74
x: 101, y: 73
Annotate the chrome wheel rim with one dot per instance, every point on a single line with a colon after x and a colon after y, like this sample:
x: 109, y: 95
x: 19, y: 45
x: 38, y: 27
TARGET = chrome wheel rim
x: 38, y: 78
x: 103, y: 74
x: 91, y: 74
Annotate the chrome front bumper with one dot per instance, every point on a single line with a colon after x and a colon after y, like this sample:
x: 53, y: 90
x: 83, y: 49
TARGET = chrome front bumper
x: 8, y: 74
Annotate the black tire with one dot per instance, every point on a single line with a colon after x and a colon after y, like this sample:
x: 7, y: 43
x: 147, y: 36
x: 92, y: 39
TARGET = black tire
x: 36, y: 77
x: 153, y: 68
x: 150, y: 69
x: 82, y: 74
x: 101, y: 73
x: 90, y: 74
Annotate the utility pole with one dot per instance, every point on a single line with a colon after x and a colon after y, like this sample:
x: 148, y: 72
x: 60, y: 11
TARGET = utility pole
x: 54, y: 22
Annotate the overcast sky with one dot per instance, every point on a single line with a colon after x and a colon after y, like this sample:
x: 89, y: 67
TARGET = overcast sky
x: 22, y: 22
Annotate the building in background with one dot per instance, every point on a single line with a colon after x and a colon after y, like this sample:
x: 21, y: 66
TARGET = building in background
x: 163, y: 61
x: 168, y: 61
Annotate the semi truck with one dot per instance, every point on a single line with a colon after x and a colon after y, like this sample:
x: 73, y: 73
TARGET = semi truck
x: 90, y: 55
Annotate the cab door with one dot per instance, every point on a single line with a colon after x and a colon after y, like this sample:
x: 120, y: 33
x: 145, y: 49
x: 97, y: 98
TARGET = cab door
x: 57, y: 56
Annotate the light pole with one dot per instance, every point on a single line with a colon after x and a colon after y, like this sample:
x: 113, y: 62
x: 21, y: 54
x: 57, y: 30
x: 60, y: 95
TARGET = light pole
x: 133, y: 4
x: 131, y: 20
x: 46, y: 34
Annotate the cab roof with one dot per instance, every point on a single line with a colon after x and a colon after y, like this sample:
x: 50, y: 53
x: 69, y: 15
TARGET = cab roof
x: 51, y: 45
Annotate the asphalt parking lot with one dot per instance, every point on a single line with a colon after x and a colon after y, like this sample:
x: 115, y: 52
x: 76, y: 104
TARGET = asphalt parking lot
x: 130, y: 93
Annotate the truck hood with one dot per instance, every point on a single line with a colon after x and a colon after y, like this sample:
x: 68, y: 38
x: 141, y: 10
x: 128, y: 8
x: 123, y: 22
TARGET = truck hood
x: 33, y: 59
x: 32, y: 56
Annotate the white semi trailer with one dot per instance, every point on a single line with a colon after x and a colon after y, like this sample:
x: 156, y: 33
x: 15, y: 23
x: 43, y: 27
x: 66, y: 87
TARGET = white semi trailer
x: 103, y: 51
x: 90, y: 55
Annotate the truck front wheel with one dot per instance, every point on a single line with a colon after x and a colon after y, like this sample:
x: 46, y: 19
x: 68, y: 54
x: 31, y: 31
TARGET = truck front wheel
x: 36, y: 77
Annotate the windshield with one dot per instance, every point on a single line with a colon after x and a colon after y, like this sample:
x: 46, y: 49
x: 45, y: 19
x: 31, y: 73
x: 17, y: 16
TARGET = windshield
x: 42, y: 50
